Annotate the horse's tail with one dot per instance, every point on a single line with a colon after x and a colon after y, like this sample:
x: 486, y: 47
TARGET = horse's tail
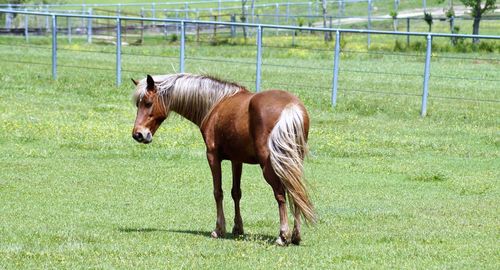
x: 288, y: 147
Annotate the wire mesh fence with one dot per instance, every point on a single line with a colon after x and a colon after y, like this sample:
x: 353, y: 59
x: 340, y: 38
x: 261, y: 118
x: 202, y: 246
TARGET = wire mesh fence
x: 290, y: 61
x: 369, y: 14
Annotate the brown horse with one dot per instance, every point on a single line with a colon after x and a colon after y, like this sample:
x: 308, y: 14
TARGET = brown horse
x: 268, y: 128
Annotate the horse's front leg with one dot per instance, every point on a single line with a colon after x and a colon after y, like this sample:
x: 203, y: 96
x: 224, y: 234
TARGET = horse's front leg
x: 215, y: 166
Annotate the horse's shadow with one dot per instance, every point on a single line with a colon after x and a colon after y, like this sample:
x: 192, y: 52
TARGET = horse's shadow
x: 263, y: 238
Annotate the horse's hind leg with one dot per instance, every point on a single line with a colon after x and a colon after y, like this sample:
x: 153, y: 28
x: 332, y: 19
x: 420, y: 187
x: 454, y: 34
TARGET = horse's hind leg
x: 280, y: 196
x: 296, y: 227
x: 236, y: 194
x: 215, y: 166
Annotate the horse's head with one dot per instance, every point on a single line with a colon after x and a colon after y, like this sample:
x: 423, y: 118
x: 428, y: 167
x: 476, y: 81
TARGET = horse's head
x: 151, y: 110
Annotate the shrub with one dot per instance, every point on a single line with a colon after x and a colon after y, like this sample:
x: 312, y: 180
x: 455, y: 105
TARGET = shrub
x: 399, y: 46
x: 174, y: 38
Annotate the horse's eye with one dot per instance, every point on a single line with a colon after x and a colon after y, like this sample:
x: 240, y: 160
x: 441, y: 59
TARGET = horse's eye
x: 148, y: 104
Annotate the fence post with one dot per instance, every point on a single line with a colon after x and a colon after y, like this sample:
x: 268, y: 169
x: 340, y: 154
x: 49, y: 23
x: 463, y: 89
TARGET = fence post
x: 427, y: 71
x: 26, y: 26
x: 54, y: 47
x: 339, y: 14
x: 118, y: 51
x: 396, y: 5
x: 259, y: 59
x: 336, y: 69
x: 369, y: 22
x: 408, y: 30
x: 177, y: 26
x: 253, y: 13
x: 84, y: 7
x: 309, y: 10
x: 233, y: 28
x: 220, y: 9
x: 89, y: 27
x: 47, y: 19
x: 287, y: 11
x: 330, y: 25
x: 68, y: 22
x: 153, y: 12
x: 277, y: 16
x: 8, y: 18
x: 452, y: 30
x: 142, y: 26
x: 183, y: 45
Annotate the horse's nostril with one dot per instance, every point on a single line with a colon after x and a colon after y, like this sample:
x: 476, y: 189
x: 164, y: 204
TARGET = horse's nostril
x: 137, y: 136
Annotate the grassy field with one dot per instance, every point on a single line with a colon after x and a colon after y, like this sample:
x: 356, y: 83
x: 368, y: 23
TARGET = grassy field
x: 392, y: 190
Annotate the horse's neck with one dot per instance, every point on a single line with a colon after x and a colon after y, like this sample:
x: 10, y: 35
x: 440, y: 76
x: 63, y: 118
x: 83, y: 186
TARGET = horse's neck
x: 194, y: 107
x: 195, y: 117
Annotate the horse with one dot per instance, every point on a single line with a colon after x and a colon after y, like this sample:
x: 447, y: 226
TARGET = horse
x: 268, y: 128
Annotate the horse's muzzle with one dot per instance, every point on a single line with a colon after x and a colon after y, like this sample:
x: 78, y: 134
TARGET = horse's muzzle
x: 139, y: 137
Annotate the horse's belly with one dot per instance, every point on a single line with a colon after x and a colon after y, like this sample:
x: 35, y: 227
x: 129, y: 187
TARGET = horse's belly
x: 239, y: 151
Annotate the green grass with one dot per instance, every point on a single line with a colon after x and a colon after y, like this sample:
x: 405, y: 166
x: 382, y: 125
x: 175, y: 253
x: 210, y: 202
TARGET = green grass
x: 392, y: 190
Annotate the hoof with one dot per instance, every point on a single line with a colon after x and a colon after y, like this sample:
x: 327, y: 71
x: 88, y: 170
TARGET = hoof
x: 217, y: 234
x: 237, y: 231
x: 282, y: 242
x: 296, y: 238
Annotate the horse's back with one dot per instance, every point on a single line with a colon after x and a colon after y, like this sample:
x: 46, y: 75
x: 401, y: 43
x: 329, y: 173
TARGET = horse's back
x: 265, y: 107
x: 272, y: 102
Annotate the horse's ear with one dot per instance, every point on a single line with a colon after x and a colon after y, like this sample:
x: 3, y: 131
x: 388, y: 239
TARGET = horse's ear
x: 134, y: 81
x: 151, y: 83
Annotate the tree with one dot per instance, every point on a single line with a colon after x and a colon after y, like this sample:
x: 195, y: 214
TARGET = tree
x: 10, y: 16
x: 394, y: 16
x: 252, y: 7
x: 244, y: 17
x: 328, y: 35
x: 450, y: 14
x: 428, y: 19
x: 478, y: 9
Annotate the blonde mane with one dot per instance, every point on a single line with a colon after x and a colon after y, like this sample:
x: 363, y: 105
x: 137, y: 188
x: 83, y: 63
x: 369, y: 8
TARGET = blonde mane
x: 190, y: 95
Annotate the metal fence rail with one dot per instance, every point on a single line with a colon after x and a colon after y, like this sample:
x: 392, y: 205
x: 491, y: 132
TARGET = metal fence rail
x: 259, y: 28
